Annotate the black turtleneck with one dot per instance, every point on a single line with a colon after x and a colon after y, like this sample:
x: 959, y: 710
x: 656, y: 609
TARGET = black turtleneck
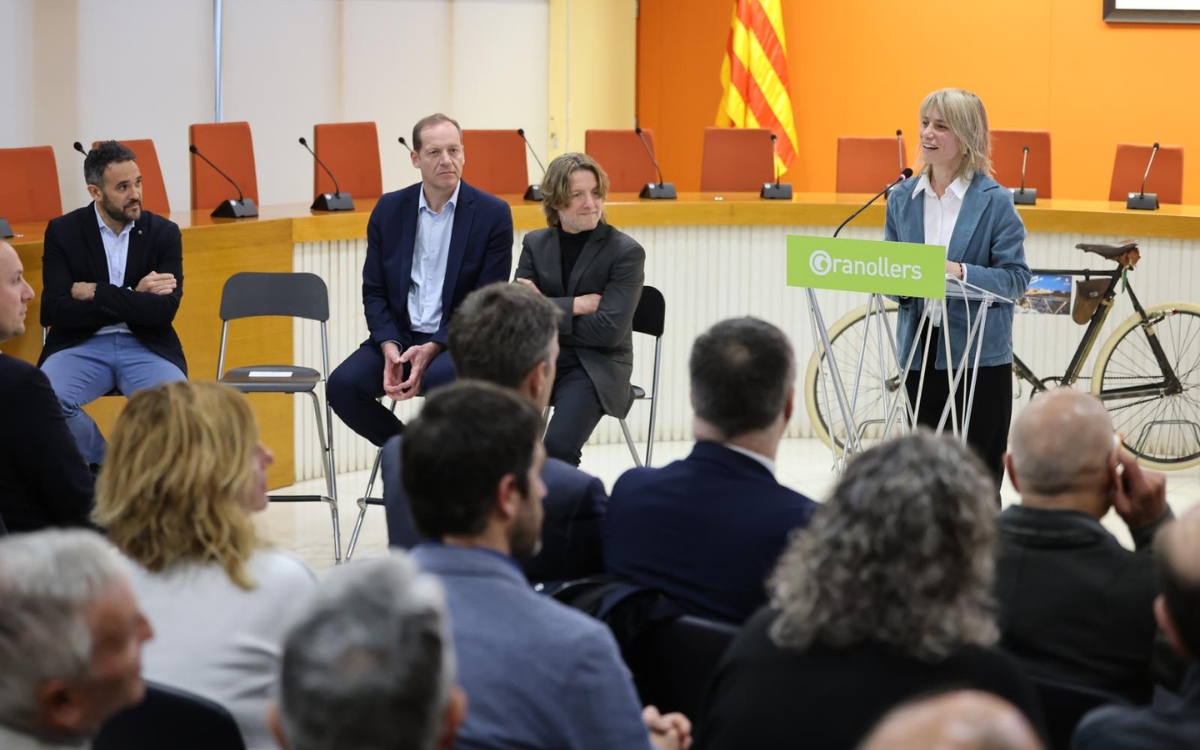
x: 572, y: 248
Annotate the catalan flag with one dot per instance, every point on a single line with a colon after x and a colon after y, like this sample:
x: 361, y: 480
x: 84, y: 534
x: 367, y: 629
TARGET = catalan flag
x: 754, y: 76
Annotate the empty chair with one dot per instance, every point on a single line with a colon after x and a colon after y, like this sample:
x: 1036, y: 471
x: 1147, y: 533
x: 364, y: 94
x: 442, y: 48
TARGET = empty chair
x: 868, y: 165
x: 737, y: 160
x: 1008, y: 152
x: 1166, y: 177
x: 623, y: 157
x: 29, y: 190
x: 496, y: 161
x: 154, y: 188
x: 174, y: 718
x: 230, y: 147
x: 351, y: 151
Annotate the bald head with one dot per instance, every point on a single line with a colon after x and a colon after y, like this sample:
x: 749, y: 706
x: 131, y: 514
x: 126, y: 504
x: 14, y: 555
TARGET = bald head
x: 1178, y: 549
x: 1062, y: 443
x: 962, y: 720
x: 15, y: 293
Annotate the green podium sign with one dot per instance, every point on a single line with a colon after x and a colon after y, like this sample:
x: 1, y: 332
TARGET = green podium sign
x: 871, y: 266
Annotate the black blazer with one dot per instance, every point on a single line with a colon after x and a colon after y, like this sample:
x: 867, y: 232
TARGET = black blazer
x: 74, y: 252
x: 612, y: 265
x: 43, y: 479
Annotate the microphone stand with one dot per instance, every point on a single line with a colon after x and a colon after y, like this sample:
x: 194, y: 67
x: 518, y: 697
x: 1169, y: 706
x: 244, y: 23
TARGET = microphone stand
x: 242, y: 208
x: 534, y: 191
x: 1024, y: 196
x: 1144, y: 201
x: 335, y: 201
x: 774, y: 190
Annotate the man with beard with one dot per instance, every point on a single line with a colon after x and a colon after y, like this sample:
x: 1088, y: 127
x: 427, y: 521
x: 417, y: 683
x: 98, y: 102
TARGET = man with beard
x: 112, y: 279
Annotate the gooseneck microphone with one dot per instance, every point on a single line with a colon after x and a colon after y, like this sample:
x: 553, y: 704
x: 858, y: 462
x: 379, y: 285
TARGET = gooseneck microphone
x: 80, y: 149
x: 661, y: 190
x: 1142, y: 200
x: 903, y: 176
x: 404, y: 143
x: 1025, y: 196
x: 335, y: 201
x: 534, y: 191
x: 773, y: 190
x: 900, y: 147
x: 242, y: 208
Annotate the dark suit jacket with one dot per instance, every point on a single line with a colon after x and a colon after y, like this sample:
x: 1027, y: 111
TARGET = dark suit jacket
x: 574, y: 511
x: 43, y: 479
x: 481, y: 243
x: 612, y: 265
x: 707, y: 530
x: 1159, y: 727
x: 1074, y: 604
x: 74, y: 252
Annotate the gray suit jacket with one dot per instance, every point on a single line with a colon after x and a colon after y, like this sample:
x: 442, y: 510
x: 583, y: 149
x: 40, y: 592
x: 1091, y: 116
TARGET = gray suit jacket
x: 612, y: 265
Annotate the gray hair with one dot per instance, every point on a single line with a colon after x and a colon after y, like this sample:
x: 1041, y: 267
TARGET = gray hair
x: 501, y: 332
x: 901, y: 554
x: 48, y: 580
x: 370, y: 665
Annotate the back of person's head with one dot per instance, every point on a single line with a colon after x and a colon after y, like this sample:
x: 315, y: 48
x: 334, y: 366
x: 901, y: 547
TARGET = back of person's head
x: 900, y: 554
x: 370, y: 663
x: 742, y: 373
x: 178, y: 479
x: 1061, y: 443
x: 503, y: 332
x: 70, y: 633
x: 99, y: 158
x: 1177, y: 548
x: 959, y: 720
x: 468, y: 438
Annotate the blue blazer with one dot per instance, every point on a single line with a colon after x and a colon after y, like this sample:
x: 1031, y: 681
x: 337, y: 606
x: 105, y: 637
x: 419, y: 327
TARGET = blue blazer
x: 537, y: 673
x: 989, y: 238
x: 574, y: 507
x: 707, y: 530
x: 481, y: 248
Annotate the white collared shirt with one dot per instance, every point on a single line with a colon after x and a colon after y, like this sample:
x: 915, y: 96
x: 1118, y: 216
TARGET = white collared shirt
x: 430, y: 254
x: 768, y: 463
x: 941, y: 214
x: 116, y: 251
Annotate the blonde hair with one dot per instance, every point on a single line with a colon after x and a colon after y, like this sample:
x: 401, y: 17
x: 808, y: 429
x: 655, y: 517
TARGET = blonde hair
x: 180, y: 463
x: 967, y: 119
x: 556, y: 185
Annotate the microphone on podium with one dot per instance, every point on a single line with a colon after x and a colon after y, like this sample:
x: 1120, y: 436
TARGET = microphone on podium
x: 404, y: 143
x: 773, y: 190
x: 241, y: 208
x: 661, y: 190
x: 1144, y: 201
x: 335, y: 201
x: 1024, y: 196
x: 534, y: 191
x: 903, y: 176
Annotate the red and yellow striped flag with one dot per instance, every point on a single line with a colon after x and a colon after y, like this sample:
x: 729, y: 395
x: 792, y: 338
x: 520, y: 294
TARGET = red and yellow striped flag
x: 754, y: 76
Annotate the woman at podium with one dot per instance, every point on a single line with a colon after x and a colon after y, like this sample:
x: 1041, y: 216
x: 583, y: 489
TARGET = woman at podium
x: 954, y: 202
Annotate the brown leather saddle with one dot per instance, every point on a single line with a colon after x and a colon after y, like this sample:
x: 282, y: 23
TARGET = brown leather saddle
x: 1126, y: 254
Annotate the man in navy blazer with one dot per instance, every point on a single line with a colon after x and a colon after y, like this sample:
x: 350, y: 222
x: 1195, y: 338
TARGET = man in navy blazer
x: 507, y: 334
x: 707, y: 530
x: 428, y: 246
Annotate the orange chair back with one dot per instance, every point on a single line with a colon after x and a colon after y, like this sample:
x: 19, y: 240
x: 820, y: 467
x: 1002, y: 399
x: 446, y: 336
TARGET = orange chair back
x: 29, y: 190
x: 868, y: 165
x: 1008, y: 151
x: 229, y: 146
x: 496, y: 161
x: 351, y: 151
x: 1166, y: 177
x: 736, y: 160
x: 623, y: 157
x: 154, y: 189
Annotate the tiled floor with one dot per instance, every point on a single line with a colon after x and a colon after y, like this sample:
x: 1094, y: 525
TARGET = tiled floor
x: 305, y: 528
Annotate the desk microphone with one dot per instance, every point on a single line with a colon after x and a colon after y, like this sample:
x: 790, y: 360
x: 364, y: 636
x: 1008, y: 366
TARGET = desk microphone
x: 1142, y: 200
x: 241, y: 208
x: 404, y: 143
x: 533, y: 192
x: 903, y: 176
x: 651, y: 190
x: 79, y: 148
x: 1024, y: 196
x: 335, y: 201
x: 900, y: 147
x: 773, y: 190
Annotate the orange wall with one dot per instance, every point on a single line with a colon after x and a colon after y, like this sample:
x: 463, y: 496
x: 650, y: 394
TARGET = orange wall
x: 861, y: 67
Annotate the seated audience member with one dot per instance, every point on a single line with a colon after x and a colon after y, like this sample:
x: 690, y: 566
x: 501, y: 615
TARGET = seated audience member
x: 71, y: 637
x: 508, y: 335
x: 185, y: 472
x: 1177, y: 610
x: 370, y: 665
x: 960, y: 720
x: 43, y: 479
x: 538, y: 673
x: 594, y: 274
x: 886, y: 596
x: 1074, y: 604
x: 708, y: 530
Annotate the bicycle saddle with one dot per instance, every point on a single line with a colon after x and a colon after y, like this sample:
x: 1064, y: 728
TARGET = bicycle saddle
x: 1112, y: 252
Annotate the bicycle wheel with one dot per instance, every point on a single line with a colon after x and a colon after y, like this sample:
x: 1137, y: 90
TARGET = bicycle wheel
x: 846, y: 342
x: 1163, y: 431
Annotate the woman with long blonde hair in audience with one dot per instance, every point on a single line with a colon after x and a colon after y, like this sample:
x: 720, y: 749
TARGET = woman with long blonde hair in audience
x: 185, y: 472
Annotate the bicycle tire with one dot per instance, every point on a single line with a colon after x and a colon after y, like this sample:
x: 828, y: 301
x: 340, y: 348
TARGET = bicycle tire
x: 1162, y: 431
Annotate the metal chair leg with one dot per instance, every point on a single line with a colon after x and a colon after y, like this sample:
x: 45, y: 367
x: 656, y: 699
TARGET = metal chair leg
x: 362, y: 504
x: 629, y: 442
x: 330, y: 476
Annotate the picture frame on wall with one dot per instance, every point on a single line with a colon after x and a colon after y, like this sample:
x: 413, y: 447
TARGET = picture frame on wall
x: 1151, y: 11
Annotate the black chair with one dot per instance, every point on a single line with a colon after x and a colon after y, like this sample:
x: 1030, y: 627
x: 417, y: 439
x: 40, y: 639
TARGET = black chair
x: 673, y: 663
x: 367, y: 499
x: 1065, y: 704
x: 171, y: 718
x: 294, y: 295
